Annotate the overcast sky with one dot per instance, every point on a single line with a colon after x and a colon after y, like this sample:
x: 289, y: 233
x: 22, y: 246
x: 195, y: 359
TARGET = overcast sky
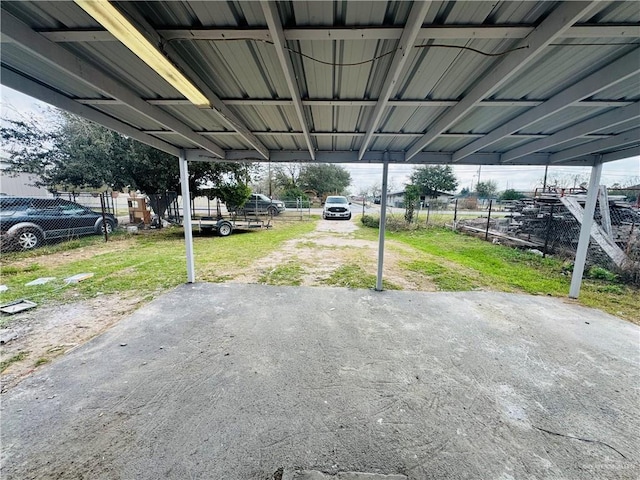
x: 625, y: 172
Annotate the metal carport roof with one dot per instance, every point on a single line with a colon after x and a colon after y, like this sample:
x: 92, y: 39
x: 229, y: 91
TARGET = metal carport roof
x: 501, y: 83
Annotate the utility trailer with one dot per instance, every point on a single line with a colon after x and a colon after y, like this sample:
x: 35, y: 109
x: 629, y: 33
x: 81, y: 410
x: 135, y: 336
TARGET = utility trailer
x: 225, y: 226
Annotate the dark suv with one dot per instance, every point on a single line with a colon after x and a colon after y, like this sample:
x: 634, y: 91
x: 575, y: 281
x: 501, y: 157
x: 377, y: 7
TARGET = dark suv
x: 26, y: 222
x: 258, y: 204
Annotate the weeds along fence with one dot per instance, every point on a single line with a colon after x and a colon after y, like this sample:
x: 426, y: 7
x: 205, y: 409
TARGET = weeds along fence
x: 548, y: 225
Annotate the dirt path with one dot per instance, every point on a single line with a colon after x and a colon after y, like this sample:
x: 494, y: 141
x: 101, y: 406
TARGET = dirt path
x: 36, y: 337
x: 334, y: 244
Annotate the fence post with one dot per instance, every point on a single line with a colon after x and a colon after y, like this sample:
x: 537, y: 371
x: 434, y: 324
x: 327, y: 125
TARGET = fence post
x: 486, y: 233
x: 104, y: 218
x: 455, y: 215
x: 633, y: 224
x: 548, y: 232
x: 428, y: 213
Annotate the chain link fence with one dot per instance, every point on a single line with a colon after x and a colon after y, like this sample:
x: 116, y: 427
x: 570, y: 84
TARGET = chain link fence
x: 551, y: 224
x: 548, y: 224
x: 30, y: 222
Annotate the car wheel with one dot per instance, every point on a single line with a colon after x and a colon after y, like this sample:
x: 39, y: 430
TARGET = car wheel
x: 109, y: 227
x: 29, y: 238
x: 273, y: 211
x: 224, y: 229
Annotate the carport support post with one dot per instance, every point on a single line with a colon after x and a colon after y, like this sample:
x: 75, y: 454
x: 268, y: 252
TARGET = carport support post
x: 186, y: 216
x: 585, y: 230
x: 383, y: 220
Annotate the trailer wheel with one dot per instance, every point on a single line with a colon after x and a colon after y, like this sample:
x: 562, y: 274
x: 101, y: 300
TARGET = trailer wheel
x: 224, y: 229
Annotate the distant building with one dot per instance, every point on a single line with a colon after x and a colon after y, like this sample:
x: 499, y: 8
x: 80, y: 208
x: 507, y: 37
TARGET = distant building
x: 396, y: 199
x: 19, y: 184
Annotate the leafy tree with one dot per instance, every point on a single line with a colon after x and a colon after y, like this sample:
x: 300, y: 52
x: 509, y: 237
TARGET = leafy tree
x: 511, y: 194
x: 411, y: 196
x: 324, y: 178
x: 465, y: 192
x: 432, y: 179
x: 287, y: 175
x: 74, y: 153
x: 293, y: 193
x: 487, y: 189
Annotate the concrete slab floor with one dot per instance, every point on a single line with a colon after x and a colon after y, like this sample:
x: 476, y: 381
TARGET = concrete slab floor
x: 247, y: 382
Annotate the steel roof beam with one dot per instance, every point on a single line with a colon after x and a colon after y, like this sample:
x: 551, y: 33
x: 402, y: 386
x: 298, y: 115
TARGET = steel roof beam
x: 23, y: 84
x: 617, y: 71
x: 621, y: 141
x: 608, y: 119
x: 369, y: 157
x: 270, y: 11
x: 226, y: 133
x: 266, y: 102
x: 73, y: 65
x: 444, y: 32
x: 497, y: 75
x: 407, y: 40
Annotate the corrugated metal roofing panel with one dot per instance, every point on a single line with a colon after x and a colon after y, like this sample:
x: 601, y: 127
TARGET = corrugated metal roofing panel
x: 292, y: 142
x: 250, y: 69
x: 560, y: 67
x: 228, y: 142
x: 616, y: 12
x: 349, y: 14
x: 447, y: 144
x: 236, y: 68
x: 505, y: 144
x: 49, y: 15
x: 621, y: 127
x: 625, y: 90
x: 563, y: 119
x: 174, y: 139
x: 129, y: 115
x: 268, y: 118
x: 391, y: 143
x: 352, y: 119
x: 485, y: 119
x: 124, y: 66
x: 23, y: 61
x: 410, y: 119
x: 569, y: 144
x: 196, y: 118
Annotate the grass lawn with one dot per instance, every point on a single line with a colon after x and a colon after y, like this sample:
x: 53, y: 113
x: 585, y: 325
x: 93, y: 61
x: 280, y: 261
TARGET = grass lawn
x: 152, y: 262
x: 147, y: 264
x: 458, y: 262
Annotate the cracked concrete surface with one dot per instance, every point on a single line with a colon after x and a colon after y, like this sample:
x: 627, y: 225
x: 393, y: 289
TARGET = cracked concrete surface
x: 244, y: 381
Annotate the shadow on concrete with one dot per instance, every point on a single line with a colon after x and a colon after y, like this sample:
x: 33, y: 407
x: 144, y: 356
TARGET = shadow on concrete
x: 242, y: 381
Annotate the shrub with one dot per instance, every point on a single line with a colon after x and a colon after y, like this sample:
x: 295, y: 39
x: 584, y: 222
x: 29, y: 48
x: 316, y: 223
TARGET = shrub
x: 599, y: 273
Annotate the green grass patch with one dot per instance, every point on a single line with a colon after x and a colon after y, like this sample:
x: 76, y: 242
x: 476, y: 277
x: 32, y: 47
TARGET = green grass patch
x: 288, y: 274
x: 499, y: 267
x: 354, y: 276
x: 146, y: 264
x: 41, y: 361
x: 475, y: 263
x: 15, y: 358
x: 444, y: 278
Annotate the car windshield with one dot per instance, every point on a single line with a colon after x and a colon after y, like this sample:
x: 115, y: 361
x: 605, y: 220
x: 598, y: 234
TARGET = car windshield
x: 336, y: 200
